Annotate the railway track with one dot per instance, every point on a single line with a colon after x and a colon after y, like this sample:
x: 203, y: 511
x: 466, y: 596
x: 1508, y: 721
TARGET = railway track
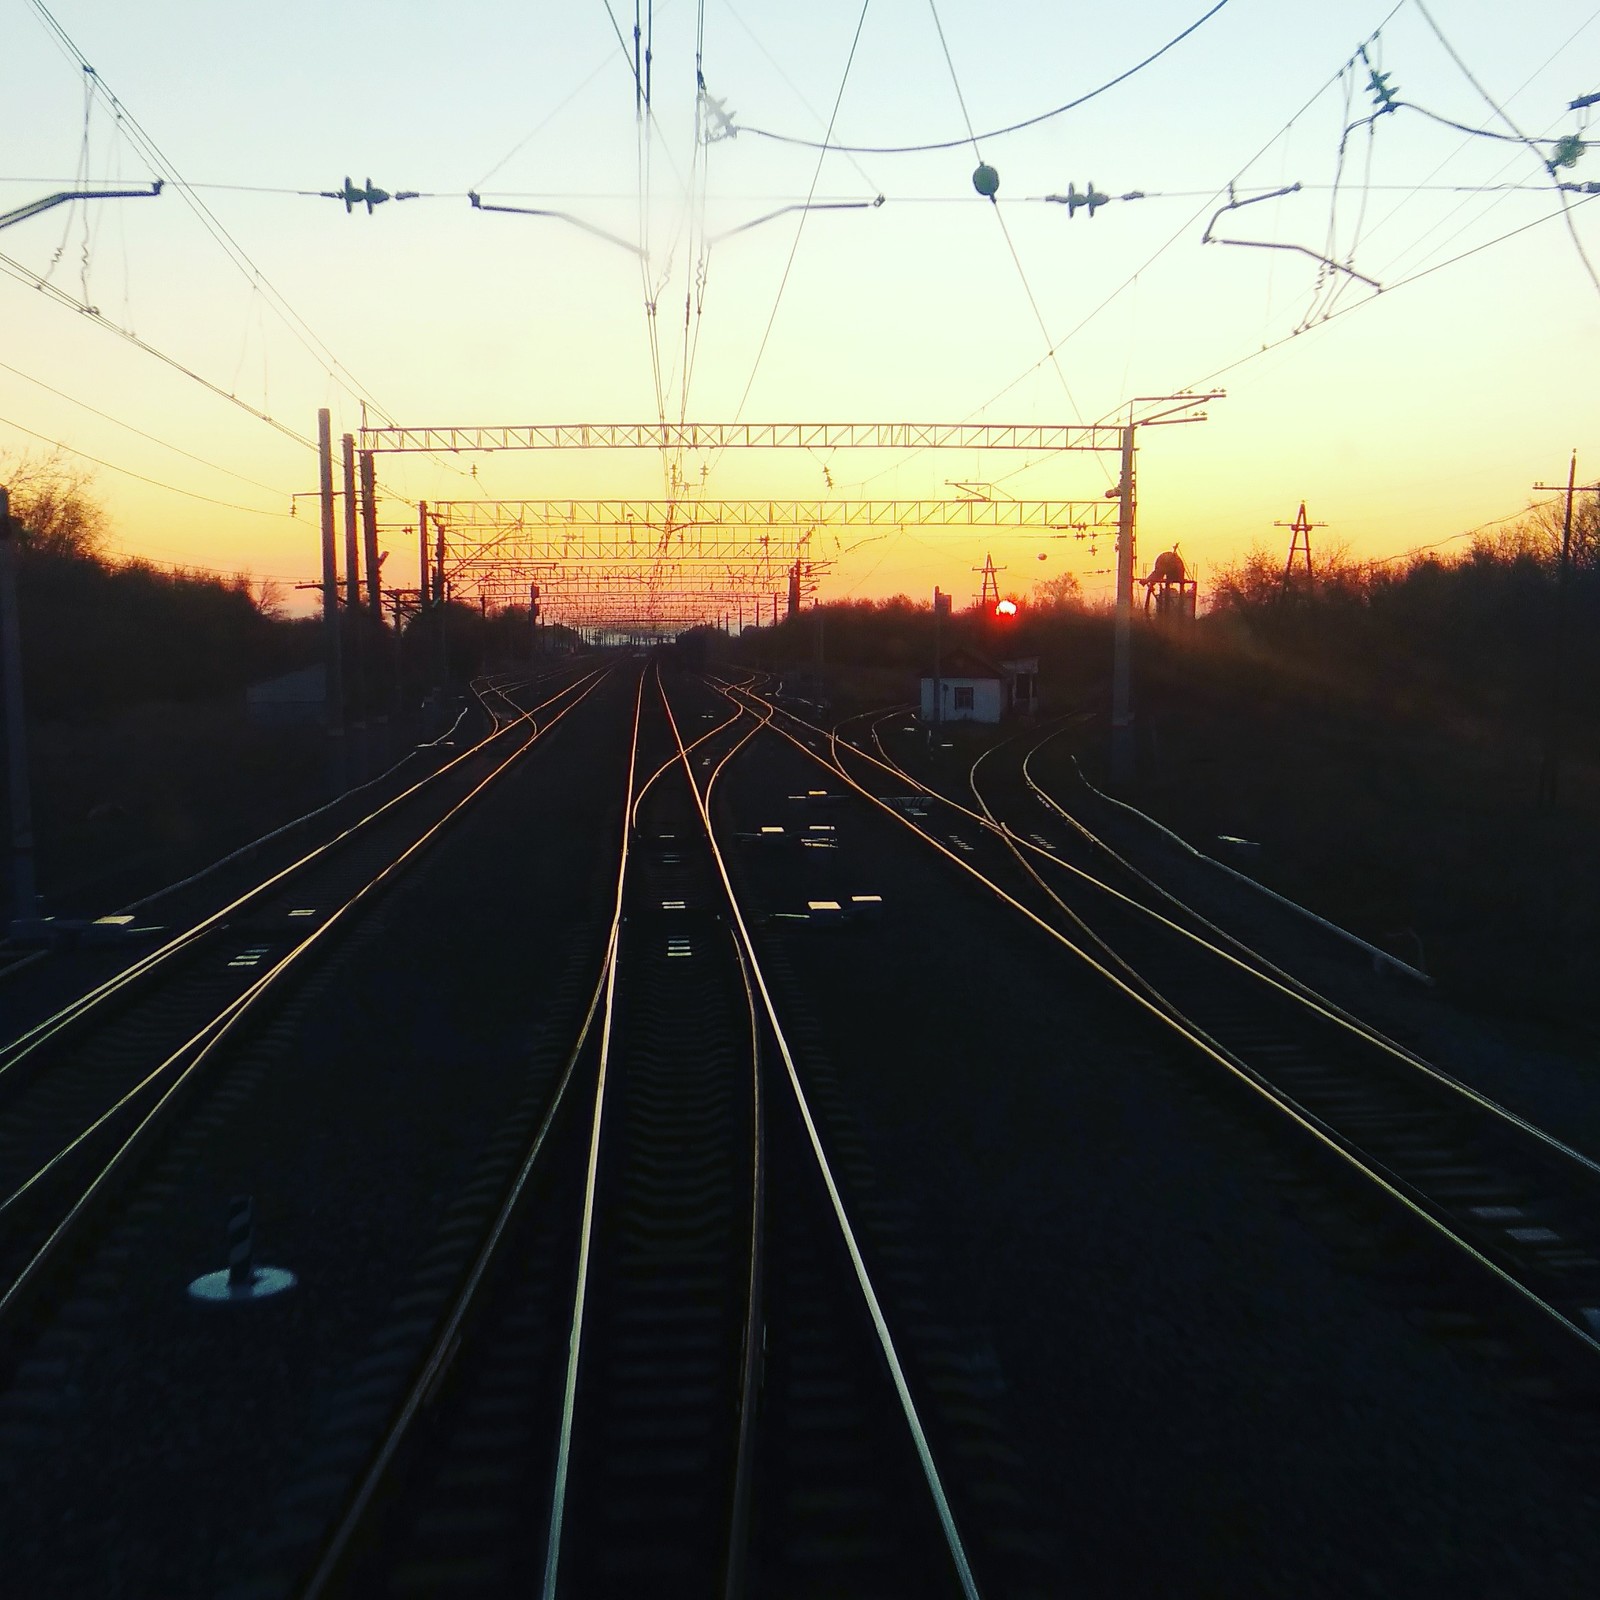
x: 668, y: 1367
x: 86, y: 1091
x: 1516, y: 1209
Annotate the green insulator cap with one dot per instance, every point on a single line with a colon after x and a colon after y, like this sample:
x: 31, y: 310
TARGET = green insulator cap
x: 986, y: 181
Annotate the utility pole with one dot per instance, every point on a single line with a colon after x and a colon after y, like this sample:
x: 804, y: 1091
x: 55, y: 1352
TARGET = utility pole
x: 441, y: 602
x: 1121, y: 667
x: 422, y: 552
x: 352, y: 554
x: 333, y: 664
x: 1180, y: 408
x: 369, y: 532
x: 1556, y: 708
x: 356, y: 731
x: 941, y: 609
x: 24, y: 898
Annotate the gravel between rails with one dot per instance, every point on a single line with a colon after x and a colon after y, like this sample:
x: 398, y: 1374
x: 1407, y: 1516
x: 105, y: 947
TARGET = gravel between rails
x: 1215, y: 1387
x: 146, y: 1444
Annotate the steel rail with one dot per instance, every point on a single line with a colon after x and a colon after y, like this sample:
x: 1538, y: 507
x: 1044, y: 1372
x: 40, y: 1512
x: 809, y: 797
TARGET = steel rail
x: 246, y: 850
x: 1296, y: 989
x: 184, y: 1062
x: 569, y: 1402
x: 750, y: 1362
x: 739, y: 1510
x: 1380, y: 957
x: 1278, y: 1099
x: 930, y: 1470
x: 682, y: 755
x: 447, y: 1342
x: 1263, y: 970
x: 19, y: 1048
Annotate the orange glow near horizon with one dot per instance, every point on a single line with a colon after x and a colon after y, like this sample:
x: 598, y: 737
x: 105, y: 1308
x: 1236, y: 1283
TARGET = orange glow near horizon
x: 696, y: 285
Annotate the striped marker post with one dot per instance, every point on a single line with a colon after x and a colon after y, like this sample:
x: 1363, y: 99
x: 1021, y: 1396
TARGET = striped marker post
x: 241, y: 1242
x: 241, y: 1279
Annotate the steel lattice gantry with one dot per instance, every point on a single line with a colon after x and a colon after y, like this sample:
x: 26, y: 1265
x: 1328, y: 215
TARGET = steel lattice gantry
x: 641, y: 559
x: 748, y: 436
x: 617, y: 561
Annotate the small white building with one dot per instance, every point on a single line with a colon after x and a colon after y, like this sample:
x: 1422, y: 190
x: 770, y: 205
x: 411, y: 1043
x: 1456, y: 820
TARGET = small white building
x: 969, y: 688
x: 296, y: 697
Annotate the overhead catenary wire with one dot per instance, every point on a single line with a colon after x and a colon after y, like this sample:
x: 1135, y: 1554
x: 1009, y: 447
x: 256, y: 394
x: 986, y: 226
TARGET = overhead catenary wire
x: 130, y: 128
x: 994, y: 133
x: 1389, y: 289
x: 1027, y: 288
x: 1504, y: 116
x: 1212, y: 196
x: 152, y: 152
x: 822, y: 155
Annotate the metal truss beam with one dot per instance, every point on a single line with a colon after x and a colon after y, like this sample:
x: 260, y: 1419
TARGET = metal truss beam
x: 750, y: 516
x: 756, y: 534
x: 749, y: 436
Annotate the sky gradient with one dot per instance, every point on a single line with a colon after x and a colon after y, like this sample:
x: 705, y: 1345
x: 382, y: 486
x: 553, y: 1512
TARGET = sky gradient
x: 1407, y: 417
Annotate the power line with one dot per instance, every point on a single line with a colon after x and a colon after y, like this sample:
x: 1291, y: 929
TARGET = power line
x: 1470, y: 533
x: 255, y: 483
x: 172, y: 488
x: 182, y: 568
x: 128, y: 123
x: 995, y: 133
x: 26, y: 275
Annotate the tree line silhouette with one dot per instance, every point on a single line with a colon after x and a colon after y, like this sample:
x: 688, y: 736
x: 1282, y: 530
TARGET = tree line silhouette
x: 102, y: 634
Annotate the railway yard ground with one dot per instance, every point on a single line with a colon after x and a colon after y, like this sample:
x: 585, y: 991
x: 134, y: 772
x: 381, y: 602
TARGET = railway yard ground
x: 714, y: 1160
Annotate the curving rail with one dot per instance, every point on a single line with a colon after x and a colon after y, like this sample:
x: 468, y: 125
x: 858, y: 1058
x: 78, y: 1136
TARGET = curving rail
x: 1508, y: 1196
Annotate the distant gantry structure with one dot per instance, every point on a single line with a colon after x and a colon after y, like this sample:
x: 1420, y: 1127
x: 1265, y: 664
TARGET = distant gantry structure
x: 665, y: 564
x: 656, y: 566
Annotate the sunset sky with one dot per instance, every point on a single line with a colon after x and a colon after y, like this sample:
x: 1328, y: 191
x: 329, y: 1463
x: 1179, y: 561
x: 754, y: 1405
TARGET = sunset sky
x: 1403, y: 419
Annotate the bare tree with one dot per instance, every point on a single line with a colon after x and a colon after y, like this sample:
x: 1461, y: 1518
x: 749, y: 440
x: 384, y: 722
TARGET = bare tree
x: 1060, y: 593
x: 52, y: 502
x: 267, y: 595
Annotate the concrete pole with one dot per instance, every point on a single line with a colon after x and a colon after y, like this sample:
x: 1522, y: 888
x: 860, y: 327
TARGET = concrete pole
x: 1122, y: 750
x: 24, y: 898
x: 422, y: 551
x: 352, y: 553
x: 1550, y: 768
x: 369, y: 532
x: 441, y: 599
x: 332, y: 658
